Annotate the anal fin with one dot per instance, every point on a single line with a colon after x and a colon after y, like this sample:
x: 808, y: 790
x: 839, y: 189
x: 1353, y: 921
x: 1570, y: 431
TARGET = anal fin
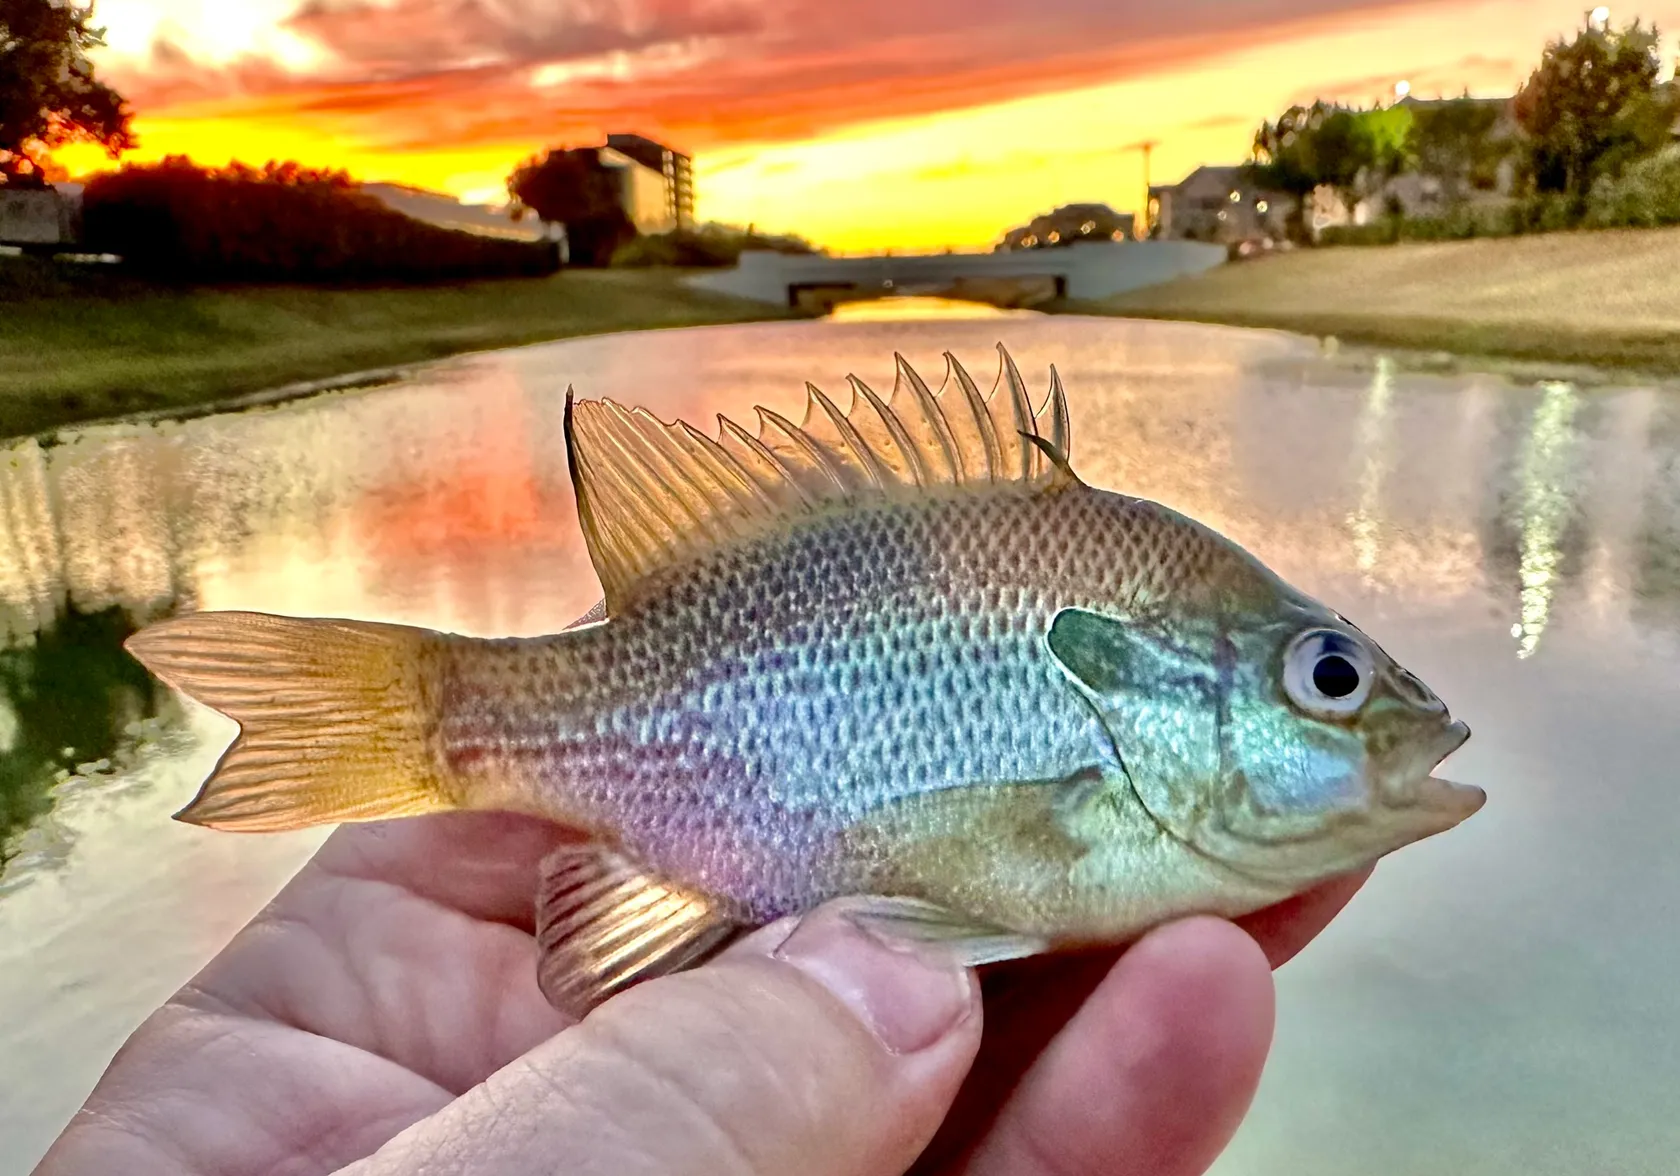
x: 603, y: 924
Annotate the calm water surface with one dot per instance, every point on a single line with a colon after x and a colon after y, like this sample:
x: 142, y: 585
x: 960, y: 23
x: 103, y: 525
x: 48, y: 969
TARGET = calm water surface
x: 1498, y: 1000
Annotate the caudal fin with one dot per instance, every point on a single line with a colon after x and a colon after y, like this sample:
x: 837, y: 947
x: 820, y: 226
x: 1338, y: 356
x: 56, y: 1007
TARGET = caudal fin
x: 333, y: 717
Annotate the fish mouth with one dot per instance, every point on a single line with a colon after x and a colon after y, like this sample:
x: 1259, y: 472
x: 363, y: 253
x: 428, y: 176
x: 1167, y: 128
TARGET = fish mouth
x: 1446, y: 797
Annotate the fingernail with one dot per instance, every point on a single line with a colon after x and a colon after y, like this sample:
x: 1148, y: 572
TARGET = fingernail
x: 909, y: 1002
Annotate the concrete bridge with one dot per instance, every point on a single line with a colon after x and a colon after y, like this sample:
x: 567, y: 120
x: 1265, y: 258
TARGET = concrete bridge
x: 1014, y: 279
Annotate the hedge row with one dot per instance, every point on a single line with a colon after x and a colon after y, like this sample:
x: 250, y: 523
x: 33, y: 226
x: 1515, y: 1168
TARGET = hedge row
x: 1543, y: 214
x: 706, y: 246
x: 176, y: 220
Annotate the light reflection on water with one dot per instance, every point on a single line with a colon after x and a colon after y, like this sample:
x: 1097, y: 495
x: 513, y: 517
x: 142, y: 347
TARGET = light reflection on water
x: 1496, y: 1001
x: 1546, y: 508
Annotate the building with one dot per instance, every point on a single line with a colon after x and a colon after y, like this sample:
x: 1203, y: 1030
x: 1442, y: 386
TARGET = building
x: 675, y: 171
x: 1070, y: 225
x: 644, y: 193
x: 1218, y: 204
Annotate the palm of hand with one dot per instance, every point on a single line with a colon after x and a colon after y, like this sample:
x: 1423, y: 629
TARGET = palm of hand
x: 397, y: 972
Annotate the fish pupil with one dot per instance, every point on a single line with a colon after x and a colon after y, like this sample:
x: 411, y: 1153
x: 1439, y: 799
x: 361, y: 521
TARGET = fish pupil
x: 1335, y: 676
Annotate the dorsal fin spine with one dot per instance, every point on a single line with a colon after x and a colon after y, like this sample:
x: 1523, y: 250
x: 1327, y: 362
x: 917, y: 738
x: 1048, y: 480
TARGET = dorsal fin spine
x: 928, y: 405
x: 652, y: 495
x: 728, y: 472
x: 803, y: 443
x: 980, y: 415
x: 916, y: 468
x: 1021, y: 408
x: 866, y: 459
x: 1056, y: 408
x: 787, y: 488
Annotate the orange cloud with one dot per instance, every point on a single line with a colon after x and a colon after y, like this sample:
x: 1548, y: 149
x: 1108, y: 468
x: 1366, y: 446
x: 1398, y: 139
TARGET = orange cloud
x: 412, y: 73
x: 861, y: 123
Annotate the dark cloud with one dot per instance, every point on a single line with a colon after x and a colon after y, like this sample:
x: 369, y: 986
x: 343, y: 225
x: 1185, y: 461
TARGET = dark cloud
x: 428, y: 36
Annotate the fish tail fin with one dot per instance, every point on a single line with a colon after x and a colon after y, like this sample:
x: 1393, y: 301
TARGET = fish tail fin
x: 334, y: 717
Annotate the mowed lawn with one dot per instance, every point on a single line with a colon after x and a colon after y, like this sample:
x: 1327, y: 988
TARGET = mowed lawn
x: 91, y: 347
x: 1604, y: 298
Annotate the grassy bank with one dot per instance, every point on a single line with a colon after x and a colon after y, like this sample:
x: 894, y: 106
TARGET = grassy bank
x: 1608, y: 299
x: 82, y: 346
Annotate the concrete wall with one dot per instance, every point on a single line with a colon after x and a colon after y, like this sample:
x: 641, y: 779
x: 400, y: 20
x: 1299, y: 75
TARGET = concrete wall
x: 36, y: 217
x: 1079, y: 271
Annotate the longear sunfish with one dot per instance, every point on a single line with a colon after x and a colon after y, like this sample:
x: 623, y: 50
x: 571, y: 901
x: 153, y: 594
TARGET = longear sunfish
x: 901, y: 652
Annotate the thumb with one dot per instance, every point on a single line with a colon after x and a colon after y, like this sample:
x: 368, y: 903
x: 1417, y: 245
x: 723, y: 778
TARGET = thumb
x: 827, y: 1053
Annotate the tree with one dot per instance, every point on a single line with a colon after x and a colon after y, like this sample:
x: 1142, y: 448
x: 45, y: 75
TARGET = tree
x: 1453, y: 141
x: 573, y: 188
x: 48, y: 94
x: 1350, y: 151
x: 1582, y: 106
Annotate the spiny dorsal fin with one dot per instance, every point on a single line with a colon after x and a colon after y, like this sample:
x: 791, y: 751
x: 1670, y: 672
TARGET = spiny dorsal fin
x: 652, y: 494
x: 603, y: 925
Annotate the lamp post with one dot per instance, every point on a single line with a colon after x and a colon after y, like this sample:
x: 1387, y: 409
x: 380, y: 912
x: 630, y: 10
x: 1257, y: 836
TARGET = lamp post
x: 1147, y: 146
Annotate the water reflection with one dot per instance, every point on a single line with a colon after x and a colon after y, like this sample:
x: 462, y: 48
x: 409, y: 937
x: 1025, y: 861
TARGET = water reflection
x: 1374, y: 458
x: 72, y: 703
x: 1657, y: 576
x: 899, y: 309
x: 1547, y: 503
x: 1440, y: 512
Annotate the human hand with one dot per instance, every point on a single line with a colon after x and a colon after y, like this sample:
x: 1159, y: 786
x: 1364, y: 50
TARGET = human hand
x: 382, y: 1016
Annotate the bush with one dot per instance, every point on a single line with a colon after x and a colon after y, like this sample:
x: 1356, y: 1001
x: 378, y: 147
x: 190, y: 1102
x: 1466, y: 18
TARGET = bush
x: 282, y: 223
x: 1546, y: 213
x: 707, y: 246
x: 1376, y: 233
x: 1646, y: 195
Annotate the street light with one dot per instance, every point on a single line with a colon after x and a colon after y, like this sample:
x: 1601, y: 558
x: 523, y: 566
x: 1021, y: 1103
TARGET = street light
x: 1147, y: 146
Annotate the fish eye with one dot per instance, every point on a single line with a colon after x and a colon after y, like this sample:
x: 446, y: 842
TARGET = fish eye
x: 1327, y: 673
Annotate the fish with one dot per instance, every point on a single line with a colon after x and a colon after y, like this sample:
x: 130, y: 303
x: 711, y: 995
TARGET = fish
x: 899, y: 654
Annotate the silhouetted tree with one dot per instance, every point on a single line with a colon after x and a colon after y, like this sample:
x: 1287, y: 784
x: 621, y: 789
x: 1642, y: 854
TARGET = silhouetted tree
x: 573, y: 188
x: 48, y: 94
x: 281, y: 222
x: 1591, y: 106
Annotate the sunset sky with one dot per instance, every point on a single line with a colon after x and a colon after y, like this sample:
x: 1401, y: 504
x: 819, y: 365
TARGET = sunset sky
x: 861, y: 124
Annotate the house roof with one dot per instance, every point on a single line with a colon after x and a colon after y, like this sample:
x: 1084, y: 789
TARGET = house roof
x: 1413, y: 102
x: 645, y: 151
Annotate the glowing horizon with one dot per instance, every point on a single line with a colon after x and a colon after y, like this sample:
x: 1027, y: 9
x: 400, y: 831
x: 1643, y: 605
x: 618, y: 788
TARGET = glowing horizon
x: 934, y: 134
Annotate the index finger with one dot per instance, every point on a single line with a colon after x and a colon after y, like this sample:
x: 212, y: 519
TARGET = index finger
x: 1028, y: 1002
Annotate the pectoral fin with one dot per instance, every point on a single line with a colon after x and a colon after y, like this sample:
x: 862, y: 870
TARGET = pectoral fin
x: 603, y: 925
x: 1004, y: 855
x: 971, y: 942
